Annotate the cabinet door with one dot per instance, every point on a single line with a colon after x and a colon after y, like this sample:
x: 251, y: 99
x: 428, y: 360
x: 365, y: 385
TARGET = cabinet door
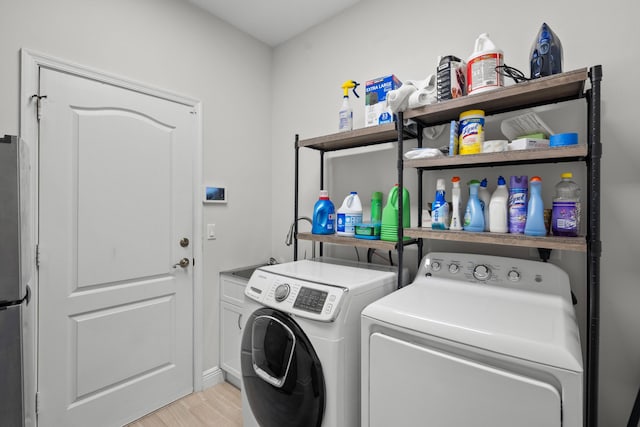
x: 231, y: 331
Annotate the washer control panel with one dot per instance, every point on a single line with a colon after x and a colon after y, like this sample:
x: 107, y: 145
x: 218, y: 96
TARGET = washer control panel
x: 302, y: 298
x: 491, y: 270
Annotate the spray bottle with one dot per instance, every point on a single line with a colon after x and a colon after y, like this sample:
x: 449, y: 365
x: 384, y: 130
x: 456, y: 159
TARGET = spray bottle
x: 346, y: 112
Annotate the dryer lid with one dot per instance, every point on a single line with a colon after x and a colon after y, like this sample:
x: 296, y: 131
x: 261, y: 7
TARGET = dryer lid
x: 537, y: 327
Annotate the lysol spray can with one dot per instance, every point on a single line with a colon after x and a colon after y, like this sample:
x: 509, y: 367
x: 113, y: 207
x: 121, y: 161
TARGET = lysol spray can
x: 518, y: 189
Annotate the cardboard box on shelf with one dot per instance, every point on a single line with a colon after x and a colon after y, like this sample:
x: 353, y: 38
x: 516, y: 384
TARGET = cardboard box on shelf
x: 376, y: 111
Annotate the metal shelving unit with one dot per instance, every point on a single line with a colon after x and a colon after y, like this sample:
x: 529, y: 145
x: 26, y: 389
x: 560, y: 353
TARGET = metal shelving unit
x: 547, y: 90
x: 339, y: 141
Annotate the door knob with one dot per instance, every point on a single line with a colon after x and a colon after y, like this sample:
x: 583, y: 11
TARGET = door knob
x: 184, y: 262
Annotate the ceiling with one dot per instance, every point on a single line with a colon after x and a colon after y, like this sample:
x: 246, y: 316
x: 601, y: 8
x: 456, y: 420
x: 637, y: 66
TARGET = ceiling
x: 274, y: 21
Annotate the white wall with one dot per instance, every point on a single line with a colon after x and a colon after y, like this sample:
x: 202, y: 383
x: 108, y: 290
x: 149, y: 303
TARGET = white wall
x: 375, y: 38
x: 172, y: 45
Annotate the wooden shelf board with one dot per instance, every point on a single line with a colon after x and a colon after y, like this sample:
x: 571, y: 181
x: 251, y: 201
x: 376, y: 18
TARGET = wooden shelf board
x: 550, y: 89
x: 350, y: 241
x: 356, y: 138
x: 576, y: 244
x: 492, y: 159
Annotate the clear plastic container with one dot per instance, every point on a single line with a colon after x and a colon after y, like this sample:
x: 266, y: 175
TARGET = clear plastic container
x: 565, y: 216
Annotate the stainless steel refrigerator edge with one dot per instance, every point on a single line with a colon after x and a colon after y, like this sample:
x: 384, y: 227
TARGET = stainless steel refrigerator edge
x: 14, y: 293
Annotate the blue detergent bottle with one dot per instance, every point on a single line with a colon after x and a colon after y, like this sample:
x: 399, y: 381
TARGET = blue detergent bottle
x: 324, y: 215
x: 440, y: 208
x: 535, y: 209
x: 473, y: 215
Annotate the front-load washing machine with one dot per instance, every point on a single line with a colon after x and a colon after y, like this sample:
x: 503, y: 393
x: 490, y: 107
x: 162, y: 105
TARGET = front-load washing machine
x: 475, y: 340
x: 300, y: 349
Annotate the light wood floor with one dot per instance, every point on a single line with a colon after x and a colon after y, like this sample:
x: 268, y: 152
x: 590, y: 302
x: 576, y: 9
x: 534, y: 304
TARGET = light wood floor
x: 218, y: 406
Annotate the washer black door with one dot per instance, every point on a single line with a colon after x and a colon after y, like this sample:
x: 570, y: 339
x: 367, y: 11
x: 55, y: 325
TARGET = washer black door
x: 281, y: 373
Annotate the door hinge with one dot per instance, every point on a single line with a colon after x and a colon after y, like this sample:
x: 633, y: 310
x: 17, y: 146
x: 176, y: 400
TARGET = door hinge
x: 39, y: 99
x: 37, y: 256
x: 37, y: 402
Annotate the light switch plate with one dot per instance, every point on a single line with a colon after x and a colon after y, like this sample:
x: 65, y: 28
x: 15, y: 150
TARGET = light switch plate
x: 211, y: 231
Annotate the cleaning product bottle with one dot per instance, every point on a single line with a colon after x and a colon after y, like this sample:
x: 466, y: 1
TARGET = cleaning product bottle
x: 324, y: 215
x: 376, y: 207
x: 346, y: 112
x: 390, y: 214
x: 485, y: 199
x: 349, y: 214
x: 518, y: 188
x: 498, y: 210
x: 535, y: 209
x: 565, y: 216
x: 482, y: 74
x: 473, y: 215
x: 456, y: 220
x: 440, y: 208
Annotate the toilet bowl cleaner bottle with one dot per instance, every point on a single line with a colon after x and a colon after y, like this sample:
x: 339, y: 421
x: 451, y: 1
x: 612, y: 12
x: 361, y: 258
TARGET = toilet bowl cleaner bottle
x: 485, y: 199
x: 518, y: 189
x: 535, y: 209
x: 473, y: 215
x: 324, y: 215
x: 565, y: 216
x: 349, y: 214
x: 440, y: 208
x: 456, y: 219
x: 498, y: 208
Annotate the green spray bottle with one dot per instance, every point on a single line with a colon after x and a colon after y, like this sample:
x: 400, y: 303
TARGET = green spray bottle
x: 346, y: 112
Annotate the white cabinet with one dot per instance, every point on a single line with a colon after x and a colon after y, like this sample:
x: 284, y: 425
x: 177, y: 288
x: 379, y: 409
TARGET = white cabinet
x: 231, y: 324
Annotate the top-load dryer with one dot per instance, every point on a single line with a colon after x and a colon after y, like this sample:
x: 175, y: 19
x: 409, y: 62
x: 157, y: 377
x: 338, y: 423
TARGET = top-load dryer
x: 474, y: 340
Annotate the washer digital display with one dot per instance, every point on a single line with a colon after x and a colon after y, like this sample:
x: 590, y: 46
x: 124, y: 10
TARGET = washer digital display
x: 310, y: 300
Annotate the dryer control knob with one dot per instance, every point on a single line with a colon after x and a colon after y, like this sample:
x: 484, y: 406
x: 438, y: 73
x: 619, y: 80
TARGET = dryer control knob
x: 513, y: 275
x: 481, y: 272
x: 435, y: 266
x: 282, y: 292
x: 454, y: 268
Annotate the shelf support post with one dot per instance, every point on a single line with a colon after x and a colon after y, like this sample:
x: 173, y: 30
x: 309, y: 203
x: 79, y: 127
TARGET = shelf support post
x: 593, y: 247
x: 321, y: 188
x: 400, y: 246
x: 420, y: 198
x: 295, y: 200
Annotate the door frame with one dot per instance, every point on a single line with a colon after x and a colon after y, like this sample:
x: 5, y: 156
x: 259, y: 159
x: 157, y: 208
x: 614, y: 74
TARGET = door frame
x: 31, y: 62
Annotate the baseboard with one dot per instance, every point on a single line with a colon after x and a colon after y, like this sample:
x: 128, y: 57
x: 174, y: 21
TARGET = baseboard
x: 211, y: 377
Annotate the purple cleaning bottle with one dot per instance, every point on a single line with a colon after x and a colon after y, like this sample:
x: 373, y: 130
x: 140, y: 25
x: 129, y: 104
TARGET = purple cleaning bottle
x: 518, y: 189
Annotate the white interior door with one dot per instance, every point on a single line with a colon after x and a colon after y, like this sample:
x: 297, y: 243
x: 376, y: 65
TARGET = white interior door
x: 115, y: 201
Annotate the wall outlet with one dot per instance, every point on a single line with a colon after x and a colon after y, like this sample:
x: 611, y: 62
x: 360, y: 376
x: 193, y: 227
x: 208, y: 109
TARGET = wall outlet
x: 211, y: 231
